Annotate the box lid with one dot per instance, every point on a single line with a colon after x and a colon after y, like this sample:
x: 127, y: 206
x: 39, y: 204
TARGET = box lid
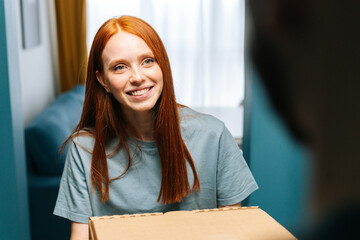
x: 211, y: 224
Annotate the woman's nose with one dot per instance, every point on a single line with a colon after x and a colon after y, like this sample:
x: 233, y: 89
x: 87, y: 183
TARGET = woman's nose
x: 136, y: 76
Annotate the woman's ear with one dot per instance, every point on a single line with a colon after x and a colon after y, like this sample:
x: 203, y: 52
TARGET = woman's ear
x: 101, y: 80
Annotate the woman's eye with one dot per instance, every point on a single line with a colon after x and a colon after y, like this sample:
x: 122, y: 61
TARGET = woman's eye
x: 119, y: 67
x: 149, y: 60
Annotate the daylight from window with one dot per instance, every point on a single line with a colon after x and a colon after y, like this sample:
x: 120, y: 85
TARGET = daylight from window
x: 203, y: 38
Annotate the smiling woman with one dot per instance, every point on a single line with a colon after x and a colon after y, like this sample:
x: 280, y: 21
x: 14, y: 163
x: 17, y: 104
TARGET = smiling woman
x: 137, y: 150
x: 135, y: 80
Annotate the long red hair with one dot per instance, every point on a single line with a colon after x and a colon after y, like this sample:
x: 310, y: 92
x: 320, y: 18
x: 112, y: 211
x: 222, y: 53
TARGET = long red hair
x: 103, y: 119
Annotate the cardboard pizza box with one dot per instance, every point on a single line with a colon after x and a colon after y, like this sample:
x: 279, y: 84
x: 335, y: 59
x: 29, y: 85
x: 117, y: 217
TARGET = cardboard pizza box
x: 211, y: 224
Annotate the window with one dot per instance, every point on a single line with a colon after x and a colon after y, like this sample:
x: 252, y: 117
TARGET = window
x: 204, y: 40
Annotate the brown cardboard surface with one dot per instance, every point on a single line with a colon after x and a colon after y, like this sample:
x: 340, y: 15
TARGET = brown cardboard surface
x: 213, y: 224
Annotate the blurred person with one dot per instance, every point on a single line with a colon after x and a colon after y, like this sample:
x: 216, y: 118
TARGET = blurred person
x: 136, y: 150
x: 308, y: 57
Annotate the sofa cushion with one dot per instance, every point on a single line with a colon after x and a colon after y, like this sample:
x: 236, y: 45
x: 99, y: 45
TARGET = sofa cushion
x: 48, y: 131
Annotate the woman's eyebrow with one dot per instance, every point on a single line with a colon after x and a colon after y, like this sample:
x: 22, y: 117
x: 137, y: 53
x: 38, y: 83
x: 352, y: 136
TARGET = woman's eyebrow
x: 146, y: 54
x: 115, y: 61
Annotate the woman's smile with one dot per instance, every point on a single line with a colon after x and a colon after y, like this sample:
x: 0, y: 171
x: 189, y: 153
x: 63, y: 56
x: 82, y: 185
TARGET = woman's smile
x: 139, y: 92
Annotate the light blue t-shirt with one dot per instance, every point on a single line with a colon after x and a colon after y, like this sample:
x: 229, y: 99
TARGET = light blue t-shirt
x: 224, y: 176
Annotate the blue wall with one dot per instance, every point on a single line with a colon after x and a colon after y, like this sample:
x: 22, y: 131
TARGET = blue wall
x: 14, y: 218
x: 278, y: 162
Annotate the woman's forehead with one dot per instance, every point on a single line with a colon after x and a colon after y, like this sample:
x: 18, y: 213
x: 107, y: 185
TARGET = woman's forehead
x: 125, y: 45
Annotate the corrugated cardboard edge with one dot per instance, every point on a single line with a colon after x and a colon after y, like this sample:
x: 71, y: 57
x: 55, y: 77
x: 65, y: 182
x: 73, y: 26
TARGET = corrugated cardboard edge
x: 223, y: 209
x: 125, y: 216
x: 93, y: 233
x: 160, y: 213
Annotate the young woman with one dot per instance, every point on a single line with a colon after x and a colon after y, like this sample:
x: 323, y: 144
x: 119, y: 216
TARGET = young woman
x: 135, y: 149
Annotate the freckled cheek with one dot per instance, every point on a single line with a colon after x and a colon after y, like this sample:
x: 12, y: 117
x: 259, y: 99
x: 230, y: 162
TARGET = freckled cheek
x: 154, y: 73
x: 159, y: 78
x: 118, y: 83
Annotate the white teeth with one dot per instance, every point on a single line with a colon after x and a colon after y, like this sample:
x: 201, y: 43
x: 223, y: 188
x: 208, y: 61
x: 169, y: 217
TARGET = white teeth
x: 140, y: 92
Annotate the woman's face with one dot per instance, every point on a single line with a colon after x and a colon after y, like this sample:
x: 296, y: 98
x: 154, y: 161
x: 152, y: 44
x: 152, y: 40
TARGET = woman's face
x: 131, y: 72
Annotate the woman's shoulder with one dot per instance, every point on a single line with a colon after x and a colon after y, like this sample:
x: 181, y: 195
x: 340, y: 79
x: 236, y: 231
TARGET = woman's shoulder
x: 196, y: 121
x: 84, y: 139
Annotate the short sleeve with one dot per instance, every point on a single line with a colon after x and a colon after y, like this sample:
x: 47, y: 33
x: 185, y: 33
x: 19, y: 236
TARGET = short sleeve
x: 235, y: 182
x: 73, y: 200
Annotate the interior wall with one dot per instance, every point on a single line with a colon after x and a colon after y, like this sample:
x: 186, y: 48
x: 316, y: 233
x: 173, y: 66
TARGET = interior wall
x: 38, y: 71
x: 14, y: 218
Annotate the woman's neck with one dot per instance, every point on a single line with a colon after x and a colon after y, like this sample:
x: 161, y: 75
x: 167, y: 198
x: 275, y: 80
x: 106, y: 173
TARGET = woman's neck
x: 143, y: 123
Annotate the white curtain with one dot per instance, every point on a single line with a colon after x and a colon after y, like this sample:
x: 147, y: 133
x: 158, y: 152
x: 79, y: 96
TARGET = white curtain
x: 203, y: 38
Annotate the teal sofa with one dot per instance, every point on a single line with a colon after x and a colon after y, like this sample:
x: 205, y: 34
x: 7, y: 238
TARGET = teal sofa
x: 43, y: 139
